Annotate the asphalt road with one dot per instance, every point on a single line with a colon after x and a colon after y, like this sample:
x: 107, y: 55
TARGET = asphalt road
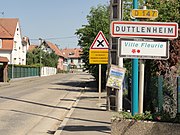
x: 36, y: 106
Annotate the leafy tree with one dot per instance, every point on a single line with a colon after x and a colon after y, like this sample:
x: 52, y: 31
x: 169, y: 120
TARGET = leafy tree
x: 168, y: 12
x: 37, y: 56
x: 98, y: 20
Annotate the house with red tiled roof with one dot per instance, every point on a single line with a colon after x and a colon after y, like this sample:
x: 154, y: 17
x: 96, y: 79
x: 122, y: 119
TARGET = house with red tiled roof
x: 73, y: 57
x: 49, y: 47
x: 11, y: 46
x: 32, y: 47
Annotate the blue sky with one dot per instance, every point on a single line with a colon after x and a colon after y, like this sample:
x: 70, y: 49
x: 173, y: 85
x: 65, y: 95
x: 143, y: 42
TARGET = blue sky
x: 50, y: 19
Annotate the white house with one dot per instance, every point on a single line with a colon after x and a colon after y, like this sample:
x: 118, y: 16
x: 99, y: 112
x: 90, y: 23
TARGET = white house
x: 11, y: 46
x: 73, y: 57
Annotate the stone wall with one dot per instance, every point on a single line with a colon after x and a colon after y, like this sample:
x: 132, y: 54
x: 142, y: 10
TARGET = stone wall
x: 132, y: 127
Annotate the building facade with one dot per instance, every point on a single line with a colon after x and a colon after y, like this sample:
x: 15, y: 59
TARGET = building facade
x: 11, y: 45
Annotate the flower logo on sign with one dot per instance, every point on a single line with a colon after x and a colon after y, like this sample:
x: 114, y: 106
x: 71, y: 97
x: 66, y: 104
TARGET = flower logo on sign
x: 134, y: 51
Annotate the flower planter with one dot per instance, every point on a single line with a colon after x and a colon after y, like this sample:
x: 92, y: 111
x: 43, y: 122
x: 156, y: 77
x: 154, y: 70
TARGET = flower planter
x: 133, y: 127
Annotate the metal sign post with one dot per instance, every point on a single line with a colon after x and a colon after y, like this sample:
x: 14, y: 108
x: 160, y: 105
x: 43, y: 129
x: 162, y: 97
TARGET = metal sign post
x: 98, y: 54
x: 135, y: 77
x: 99, y: 81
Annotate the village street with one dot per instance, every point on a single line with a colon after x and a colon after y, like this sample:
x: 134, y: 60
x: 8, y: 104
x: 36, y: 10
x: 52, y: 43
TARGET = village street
x: 37, y: 106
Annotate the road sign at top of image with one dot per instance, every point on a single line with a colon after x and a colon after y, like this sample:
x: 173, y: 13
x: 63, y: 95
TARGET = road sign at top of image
x: 100, y: 42
x: 142, y: 13
x: 144, y: 29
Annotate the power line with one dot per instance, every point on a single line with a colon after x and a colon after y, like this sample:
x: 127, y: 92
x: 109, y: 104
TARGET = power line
x: 55, y: 38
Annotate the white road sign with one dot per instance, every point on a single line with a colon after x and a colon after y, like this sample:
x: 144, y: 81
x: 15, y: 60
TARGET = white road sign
x: 144, y: 29
x: 100, y: 42
x: 143, y: 48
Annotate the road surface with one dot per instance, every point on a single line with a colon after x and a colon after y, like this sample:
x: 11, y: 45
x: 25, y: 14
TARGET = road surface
x: 36, y: 106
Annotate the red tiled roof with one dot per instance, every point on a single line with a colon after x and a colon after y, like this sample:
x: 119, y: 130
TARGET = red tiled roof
x: 4, y: 59
x: 72, y: 52
x: 32, y: 47
x: 8, y: 27
x: 7, y: 44
x: 54, y: 48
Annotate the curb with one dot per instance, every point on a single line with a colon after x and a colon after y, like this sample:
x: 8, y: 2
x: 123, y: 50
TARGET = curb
x: 63, y: 124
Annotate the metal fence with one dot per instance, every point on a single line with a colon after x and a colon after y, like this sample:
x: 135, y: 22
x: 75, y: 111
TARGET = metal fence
x: 15, y: 71
x: 160, y: 94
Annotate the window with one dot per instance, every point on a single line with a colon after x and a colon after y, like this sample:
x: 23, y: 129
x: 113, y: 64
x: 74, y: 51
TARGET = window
x: 71, y: 53
x: 0, y: 43
x: 15, y: 45
x: 114, y: 43
x: 14, y: 60
x: 115, y: 1
x: 115, y: 11
x: 113, y: 57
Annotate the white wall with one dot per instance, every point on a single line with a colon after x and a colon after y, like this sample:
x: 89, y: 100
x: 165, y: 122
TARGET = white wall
x: 6, y: 54
x: 46, y: 71
x: 76, y: 62
x: 19, y: 51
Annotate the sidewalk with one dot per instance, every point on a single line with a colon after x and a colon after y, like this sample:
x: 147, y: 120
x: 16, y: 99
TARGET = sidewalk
x: 88, y: 115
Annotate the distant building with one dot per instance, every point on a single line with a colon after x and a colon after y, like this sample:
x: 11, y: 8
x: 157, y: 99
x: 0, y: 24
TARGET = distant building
x: 32, y: 47
x: 73, y: 57
x: 26, y: 43
x: 11, y: 46
x: 50, y: 47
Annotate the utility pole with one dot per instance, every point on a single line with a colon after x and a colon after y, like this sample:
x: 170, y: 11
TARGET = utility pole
x: 116, y: 15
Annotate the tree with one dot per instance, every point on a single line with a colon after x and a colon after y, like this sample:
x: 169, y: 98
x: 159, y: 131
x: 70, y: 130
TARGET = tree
x: 168, y: 12
x: 39, y: 57
x: 98, y: 20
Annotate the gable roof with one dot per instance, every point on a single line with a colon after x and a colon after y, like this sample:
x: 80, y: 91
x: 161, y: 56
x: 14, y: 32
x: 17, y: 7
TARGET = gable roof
x: 8, y: 27
x: 72, y: 52
x: 54, y: 48
x: 4, y: 59
x: 32, y: 47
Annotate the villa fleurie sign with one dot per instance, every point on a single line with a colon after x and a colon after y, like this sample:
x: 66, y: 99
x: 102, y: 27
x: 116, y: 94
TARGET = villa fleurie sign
x: 143, y: 48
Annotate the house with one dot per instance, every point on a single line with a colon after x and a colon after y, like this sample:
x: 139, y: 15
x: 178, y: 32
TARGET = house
x: 73, y: 57
x: 32, y: 47
x: 26, y: 43
x: 50, y: 47
x: 11, y: 46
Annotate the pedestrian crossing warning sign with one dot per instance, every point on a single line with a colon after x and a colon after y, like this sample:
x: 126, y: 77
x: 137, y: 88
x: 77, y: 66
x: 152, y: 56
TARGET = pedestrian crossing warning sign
x: 100, y: 42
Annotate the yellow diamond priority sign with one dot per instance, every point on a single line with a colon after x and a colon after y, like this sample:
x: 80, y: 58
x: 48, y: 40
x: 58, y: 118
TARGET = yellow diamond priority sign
x: 98, y: 53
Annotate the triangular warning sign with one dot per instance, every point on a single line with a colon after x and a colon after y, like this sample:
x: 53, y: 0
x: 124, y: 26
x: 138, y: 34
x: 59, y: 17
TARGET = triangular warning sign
x: 100, y: 42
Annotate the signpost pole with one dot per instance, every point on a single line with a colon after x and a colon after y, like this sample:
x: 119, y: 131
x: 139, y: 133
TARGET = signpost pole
x: 120, y: 64
x: 141, y: 86
x: 99, y: 81
x: 135, y: 77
